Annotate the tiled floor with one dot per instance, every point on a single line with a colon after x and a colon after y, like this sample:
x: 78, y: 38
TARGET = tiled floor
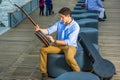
x: 19, y: 47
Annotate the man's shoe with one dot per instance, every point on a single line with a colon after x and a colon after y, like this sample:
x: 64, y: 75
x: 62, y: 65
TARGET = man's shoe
x: 44, y: 76
x: 100, y: 19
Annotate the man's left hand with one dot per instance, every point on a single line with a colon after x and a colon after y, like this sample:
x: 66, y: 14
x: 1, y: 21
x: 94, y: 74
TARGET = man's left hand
x: 51, y: 38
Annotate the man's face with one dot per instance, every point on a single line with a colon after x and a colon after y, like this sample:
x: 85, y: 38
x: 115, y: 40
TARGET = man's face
x: 64, y: 18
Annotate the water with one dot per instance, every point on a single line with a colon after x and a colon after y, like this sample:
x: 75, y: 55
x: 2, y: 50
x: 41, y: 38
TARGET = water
x: 7, y: 7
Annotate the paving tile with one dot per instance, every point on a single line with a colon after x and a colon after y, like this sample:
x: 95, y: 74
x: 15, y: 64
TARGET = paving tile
x: 22, y: 72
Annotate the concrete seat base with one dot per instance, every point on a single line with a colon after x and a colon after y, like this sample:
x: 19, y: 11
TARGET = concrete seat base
x: 82, y: 11
x: 85, y: 15
x: 57, y: 65
x: 79, y: 4
x: 88, y: 22
x: 78, y: 8
x: 79, y: 11
x: 77, y: 76
x: 91, y: 33
x: 81, y: 1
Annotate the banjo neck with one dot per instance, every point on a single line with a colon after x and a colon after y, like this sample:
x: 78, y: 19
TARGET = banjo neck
x: 39, y: 34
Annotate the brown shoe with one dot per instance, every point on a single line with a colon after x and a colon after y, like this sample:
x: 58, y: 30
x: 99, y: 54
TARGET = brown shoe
x: 44, y: 76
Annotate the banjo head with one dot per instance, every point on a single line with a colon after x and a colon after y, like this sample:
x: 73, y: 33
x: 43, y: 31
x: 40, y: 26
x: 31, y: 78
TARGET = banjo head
x: 104, y: 68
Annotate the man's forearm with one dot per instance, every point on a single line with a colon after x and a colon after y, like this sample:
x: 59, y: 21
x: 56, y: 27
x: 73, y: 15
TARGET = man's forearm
x: 60, y: 42
x: 37, y: 28
x: 45, y: 31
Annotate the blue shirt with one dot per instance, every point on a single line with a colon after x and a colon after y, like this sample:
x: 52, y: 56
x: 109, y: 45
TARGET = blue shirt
x: 94, y: 4
x: 48, y: 2
x: 68, y: 33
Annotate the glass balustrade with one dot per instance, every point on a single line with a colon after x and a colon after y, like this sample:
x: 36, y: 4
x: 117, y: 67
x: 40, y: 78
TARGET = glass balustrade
x: 6, y: 6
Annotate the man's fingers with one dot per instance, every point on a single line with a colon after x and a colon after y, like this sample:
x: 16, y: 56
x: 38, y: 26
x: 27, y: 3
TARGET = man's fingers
x: 36, y: 28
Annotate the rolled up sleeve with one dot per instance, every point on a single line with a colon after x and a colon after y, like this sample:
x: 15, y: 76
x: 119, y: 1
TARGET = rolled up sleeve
x: 72, y: 38
x: 52, y: 28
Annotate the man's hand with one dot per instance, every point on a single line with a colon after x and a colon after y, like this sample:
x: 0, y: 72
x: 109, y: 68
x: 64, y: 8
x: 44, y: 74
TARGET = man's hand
x: 51, y: 39
x: 36, y: 28
x: 56, y: 42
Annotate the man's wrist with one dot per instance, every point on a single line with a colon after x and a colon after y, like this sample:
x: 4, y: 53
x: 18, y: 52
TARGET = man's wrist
x: 55, y: 41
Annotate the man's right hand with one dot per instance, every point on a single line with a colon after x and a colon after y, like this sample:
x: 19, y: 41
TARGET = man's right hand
x: 37, y: 28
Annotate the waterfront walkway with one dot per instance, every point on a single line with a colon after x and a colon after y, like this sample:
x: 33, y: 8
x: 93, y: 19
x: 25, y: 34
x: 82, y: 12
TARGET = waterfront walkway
x: 19, y: 47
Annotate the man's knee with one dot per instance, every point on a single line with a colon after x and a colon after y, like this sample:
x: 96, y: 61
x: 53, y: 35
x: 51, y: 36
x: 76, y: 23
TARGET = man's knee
x: 43, y: 50
x: 70, y: 48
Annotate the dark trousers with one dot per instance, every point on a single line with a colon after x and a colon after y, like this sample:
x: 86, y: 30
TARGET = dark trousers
x: 41, y: 10
x: 48, y: 10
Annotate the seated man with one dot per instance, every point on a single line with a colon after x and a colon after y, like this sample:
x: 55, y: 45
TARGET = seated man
x: 67, y: 33
x: 96, y: 5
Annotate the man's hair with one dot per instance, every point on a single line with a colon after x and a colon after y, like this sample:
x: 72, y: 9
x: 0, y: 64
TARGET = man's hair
x: 65, y: 11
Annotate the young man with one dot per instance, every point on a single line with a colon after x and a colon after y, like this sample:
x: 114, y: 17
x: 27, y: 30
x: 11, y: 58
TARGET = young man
x: 96, y: 5
x: 66, y: 41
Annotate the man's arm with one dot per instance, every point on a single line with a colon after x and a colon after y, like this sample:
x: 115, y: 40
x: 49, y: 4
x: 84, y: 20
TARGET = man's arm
x: 37, y: 28
x: 60, y: 42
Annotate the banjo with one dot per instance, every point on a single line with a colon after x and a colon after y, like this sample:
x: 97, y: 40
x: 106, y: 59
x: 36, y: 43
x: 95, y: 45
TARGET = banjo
x: 42, y: 37
x: 102, y: 67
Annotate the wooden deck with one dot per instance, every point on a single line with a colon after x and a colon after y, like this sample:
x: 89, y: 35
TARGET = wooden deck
x: 109, y: 35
